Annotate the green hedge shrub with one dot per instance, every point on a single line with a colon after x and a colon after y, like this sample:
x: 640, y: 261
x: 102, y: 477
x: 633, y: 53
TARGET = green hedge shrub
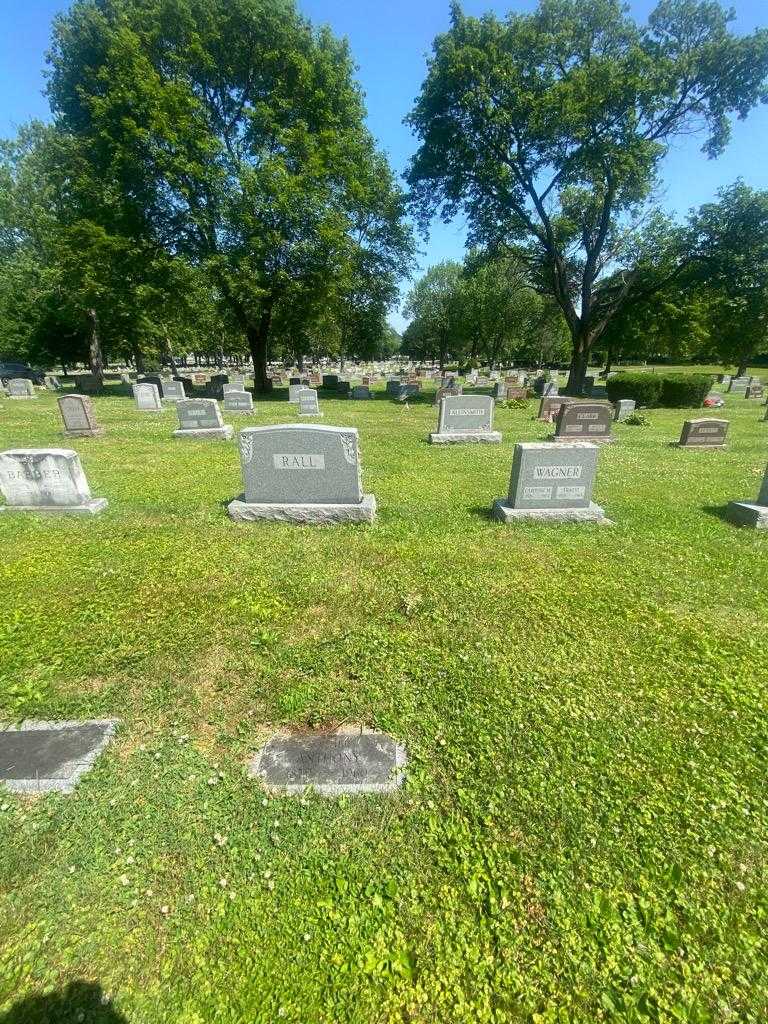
x: 645, y: 388
x: 670, y: 390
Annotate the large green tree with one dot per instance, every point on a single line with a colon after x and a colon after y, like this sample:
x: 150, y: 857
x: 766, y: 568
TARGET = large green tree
x: 548, y: 130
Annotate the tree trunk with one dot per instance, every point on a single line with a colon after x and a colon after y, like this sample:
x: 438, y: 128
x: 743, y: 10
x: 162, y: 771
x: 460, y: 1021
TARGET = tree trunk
x: 579, y: 363
x: 608, y: 360
x: 258, y: 343
x: 138, y: 358
x: 743, y: 364
x: 168, y: 351
x: 95, y: 357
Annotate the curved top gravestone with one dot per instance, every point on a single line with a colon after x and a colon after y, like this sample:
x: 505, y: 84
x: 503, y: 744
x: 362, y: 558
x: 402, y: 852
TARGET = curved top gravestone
x: 584, y: 421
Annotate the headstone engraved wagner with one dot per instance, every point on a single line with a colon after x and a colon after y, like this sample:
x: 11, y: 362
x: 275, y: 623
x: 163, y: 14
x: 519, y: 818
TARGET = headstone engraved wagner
x: 78, y: 416
x: 147, y: 398
x: 19, y: 387
x: 43, y: 757
x: 200, y: 419
x: 551, y: 483
x: 302, y: 473
x: 308, y: 403
x: 584, y: 421
x: 748, y: 513
x: 48, y: 480
x: 238, y: 401
x: 703, y: 433
x: 466, y: 419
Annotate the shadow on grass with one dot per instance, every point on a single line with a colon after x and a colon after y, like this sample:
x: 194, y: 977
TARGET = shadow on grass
x: 79, y: 1001
x: 482, y: 512
x: 718, y: 511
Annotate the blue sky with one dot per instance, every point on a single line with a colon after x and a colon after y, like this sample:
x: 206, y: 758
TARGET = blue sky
x: 390, y: 42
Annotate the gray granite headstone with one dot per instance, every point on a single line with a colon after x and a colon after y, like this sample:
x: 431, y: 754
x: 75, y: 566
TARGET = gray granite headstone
x: 755, y: 390
x: 584, y: 421
x: 624, y: 407
x: 78, y: 416
x: 302, y: 473
x: 52, y: 382
x: 550, y: 406
x: 331, y: 765
x: 49, y: 480
x: 200, y: 418
x: 308, y: 403
x: 703, y: 433
x: 237, y: 401
x: 362, y: 391
x: 466, y: 419
x: 173, y: 391
x: 748, y: 513
x: 19, y: 387
x: 39, y: 757
x: 147, y: 397
x: 551, y: 483
x: 294, y: 390
x: 234, y: 386
x: 445, y: 392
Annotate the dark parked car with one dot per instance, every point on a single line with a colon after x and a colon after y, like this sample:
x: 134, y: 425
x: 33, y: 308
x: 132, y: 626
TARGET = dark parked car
x: 11, y: 371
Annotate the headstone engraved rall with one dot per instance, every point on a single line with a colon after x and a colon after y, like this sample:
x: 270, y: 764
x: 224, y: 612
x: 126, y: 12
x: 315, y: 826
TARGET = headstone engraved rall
x: 78, y: 416
x: 584, y: 421
x: 703, y: 433
x: 308, y: 403
x: 624, y: 407
x: 302, y: 473
x: 552, y: 483
x: 238, y: 401
x: 331, y: 764
x: 748, y: 513
x: 200, y: 418
x: 19, y: 387
x: 173, y: 391
x: 41, y: 757
x: 48, y: 480
x: 147, y: 398
x: 466, y: 419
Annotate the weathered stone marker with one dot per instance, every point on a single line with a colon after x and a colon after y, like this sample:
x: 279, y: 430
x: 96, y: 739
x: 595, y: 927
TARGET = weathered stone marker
x: 331, y: 764
x: 302, y: 474
x: 52, y: 382
x: 78, y: 416
x: 147, y: 397
x: 360, y: 392
x: 38, y: 757
x: 200, y: 419
x: 48, y: 480
x: 748, y: 513
x: 755, y: 389
x: 237, y: 386
x: 550, y: 406
x: 308, y: 403
x: 624, y: 407
x: 552, y: 483
x: 20, y: 387
x: 703, y: 433
x: 173, y: 391
x: 445, y: 392
x: 238, y: 401
x: 584, y: 421
x: 738, y: 385
x: 294, y: 390
x: 466, y: 419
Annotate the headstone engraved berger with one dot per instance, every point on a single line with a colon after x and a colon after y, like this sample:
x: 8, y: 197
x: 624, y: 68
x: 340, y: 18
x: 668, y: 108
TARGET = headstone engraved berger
x: 48, y: 480
x: 308, y: 403
x: 552, y: 483
x: 147, y: 397
x: 200, y: 419
x: 78, y: 416
x: 237, y: 401
x: 19, y: 387
x: 703, y: 433
x: 751, y: 513
x: 584, y: 421
x: 466, y: 419
x: 302, y: 473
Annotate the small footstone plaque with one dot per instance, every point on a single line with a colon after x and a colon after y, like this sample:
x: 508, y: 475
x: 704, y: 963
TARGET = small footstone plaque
x: 78, y: 416
x: 751, y: 513
x: 19, y: 387
x: 331, y: 765
x: 147, y: 397
x: 466, y: 419
x: 238, y: 401
x: 703, y: 433
x: 200, y: 418
x: 584, y: 421
x: 49, y: 480
x: 39, y: 757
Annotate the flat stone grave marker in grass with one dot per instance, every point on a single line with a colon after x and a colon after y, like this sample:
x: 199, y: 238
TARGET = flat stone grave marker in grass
x: 584, y: 421
x: 40, y: 757
x: 550, y: 406
x: 200, y: 419
x: 47, y: 480
x: 78, y: 416
x: 738, y: 385
x: 703, y: 433
x: 147, y: 397
x: 20, y: 387
x: 238, y: 401
x: 331, y: 764
x: 173, y: 391
x: 751, y: 513
x: 552, y: 483
x: 302, y: 474
x: 308, y: 403
x: 624, y: 407
x: 466, y: 419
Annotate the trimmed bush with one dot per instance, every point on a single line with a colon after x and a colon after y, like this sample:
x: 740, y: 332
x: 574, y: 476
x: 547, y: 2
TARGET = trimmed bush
x: 645, y: 388
x: 684, y: 390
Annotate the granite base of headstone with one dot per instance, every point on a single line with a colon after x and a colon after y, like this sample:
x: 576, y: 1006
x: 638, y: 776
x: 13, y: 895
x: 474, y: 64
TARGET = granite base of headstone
x: 50, y: 481
x: 552, y: 484
x: 751, y: 513
x: 200, y: 420
x: 332, y: 764
x: 466, y: 419
x: 703, y: 433
x: 43, y: 757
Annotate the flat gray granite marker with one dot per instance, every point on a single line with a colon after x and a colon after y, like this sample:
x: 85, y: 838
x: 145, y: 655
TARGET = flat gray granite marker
x: 147, y: 397
x: 584, y: 421
x: 20, y: 387
x: 552, y: 483
x: 78, y: 416
x: 200, y: 419
x: 48, y: 480
x: 331, y: 765
x: 703, y: 433
x: 237, y: 401
x: 308, y: 403
x: 623, y: 408
x: 40, y: 757
x: 302, y: 473
x: 466, y: 419
x: 173, y: 391
x: 748, y: 513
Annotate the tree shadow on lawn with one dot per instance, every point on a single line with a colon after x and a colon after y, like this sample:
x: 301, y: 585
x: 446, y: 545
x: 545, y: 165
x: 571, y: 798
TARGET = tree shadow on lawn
x: 79, y: 1001
x: 719, y: 512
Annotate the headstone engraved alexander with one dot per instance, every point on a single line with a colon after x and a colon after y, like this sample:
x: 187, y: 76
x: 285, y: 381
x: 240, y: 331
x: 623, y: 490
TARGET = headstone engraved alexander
x: 550, y: 406
x: 41, y: 757
x: 738, y: 385
x: 200, y: 419
x: 584, y: 421
x: 331, y: 764
x: 624, y: 407
x: 19, y: 387
x: 78, y: 416
x: 147, y: 398
x: 302, y: 473
x: 551, y: 483
x: 238, y: 401
x: 748, y: 513
x: 49, y: 480
x: 308, y: 403
x: 173, y: 391
x: 466, y: 419
x: 703, y: 433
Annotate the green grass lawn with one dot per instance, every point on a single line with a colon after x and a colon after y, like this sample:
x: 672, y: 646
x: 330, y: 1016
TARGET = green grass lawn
x: 583, y: 832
